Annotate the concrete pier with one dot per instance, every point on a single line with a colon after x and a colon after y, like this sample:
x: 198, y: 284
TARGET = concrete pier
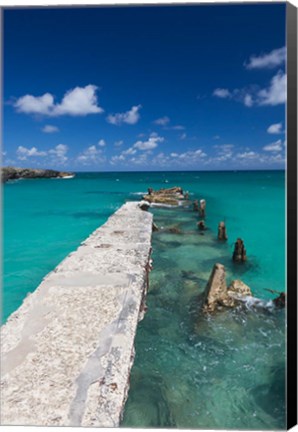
x: 68, y: 350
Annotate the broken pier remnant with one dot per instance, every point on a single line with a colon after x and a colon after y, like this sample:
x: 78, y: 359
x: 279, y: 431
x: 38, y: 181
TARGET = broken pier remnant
x: 172, y: 196
x: 201, y: 225
x: 239, y: 254
x: 218, y: 295
x: 202, y: 208
x: 222, y: 231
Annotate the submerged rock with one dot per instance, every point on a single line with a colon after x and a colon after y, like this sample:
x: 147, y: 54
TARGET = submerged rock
x: 175, y: 230
x: 217, y: 294
x: 201, y: 225
x: 13, y: 173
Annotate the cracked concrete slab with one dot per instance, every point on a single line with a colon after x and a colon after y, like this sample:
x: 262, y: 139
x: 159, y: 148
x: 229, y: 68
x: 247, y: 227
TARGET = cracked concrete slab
x: 68, y: 350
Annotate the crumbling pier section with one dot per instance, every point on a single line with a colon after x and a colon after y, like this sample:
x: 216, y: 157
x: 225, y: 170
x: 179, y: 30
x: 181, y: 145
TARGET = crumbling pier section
x: 68, y: 350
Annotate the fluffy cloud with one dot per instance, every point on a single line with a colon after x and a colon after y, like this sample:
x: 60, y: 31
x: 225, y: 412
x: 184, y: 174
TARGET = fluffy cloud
x: 275, y: 128
x: 91, y: 155
x: 138, y: 150
x: 79, y: 101
x: 182, y: 160
x: 129, y: 151
x: 222, y: 93
x: 276, y: 93
x: 223, y: 152
x: 271, y: 60
x: 29, y: 104
x: 50, y: 129
x: 163, y: 121
x: 248, y: 101
x: 23, y: 152
x: 130, y: 117
x: 101, y: 143
x: 150, y: 144
x: 274, y: 147
x: 247, y: 155
x: 58, y: 154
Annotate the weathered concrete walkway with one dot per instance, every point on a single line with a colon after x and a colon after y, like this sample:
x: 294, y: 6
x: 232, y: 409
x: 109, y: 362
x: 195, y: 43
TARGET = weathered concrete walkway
x: 68, y: 350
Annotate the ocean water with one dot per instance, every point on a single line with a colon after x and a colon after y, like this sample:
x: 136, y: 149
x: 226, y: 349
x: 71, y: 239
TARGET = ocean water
x: 226, y: 371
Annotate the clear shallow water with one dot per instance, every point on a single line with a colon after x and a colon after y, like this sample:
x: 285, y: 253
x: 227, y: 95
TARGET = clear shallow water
x: 189, y: 371
x: 224, y: 371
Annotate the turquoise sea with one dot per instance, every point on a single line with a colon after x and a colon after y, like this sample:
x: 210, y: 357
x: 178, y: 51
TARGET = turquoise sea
x: 220, y: 372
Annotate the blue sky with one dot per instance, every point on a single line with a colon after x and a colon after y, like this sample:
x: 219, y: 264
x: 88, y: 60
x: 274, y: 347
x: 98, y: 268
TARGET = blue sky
x: 145, y: 88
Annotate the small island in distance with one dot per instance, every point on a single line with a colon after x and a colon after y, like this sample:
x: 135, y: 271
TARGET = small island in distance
x: 13, y: 173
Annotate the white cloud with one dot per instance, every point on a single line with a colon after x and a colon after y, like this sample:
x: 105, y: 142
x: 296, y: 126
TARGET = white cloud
x: 224, y: 152
x: 273, y: 59
x: 275, y: 128
x: 274, y: 147
x: 222, y: 93
x: 140, y: 159
x: 91, y: 155
x: 29, y: 104
x: 101, y: 143
x: 58, y: 154
x: 163, y: 121
x: 192, y: 154
x: 116, y: 159
x: 130, y: 117
x: 276, y: 93
x: 79, y: 101
x: 23, y: 152
x: 224, y: 147
x: 247, y: 155
x: 129, y: 151
x: 50, y: 129
x: 248, y: 101
x: 118, y: 143
x: 150, y: 144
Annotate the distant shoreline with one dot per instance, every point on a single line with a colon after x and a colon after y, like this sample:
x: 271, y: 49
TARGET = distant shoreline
x: 14, y: 173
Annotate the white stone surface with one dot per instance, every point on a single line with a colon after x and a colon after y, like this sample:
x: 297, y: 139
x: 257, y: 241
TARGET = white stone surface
x: 68, y: 350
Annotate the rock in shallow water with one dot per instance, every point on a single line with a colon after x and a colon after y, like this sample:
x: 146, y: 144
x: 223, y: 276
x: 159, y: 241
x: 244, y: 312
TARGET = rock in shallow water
x: 217, y: 294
